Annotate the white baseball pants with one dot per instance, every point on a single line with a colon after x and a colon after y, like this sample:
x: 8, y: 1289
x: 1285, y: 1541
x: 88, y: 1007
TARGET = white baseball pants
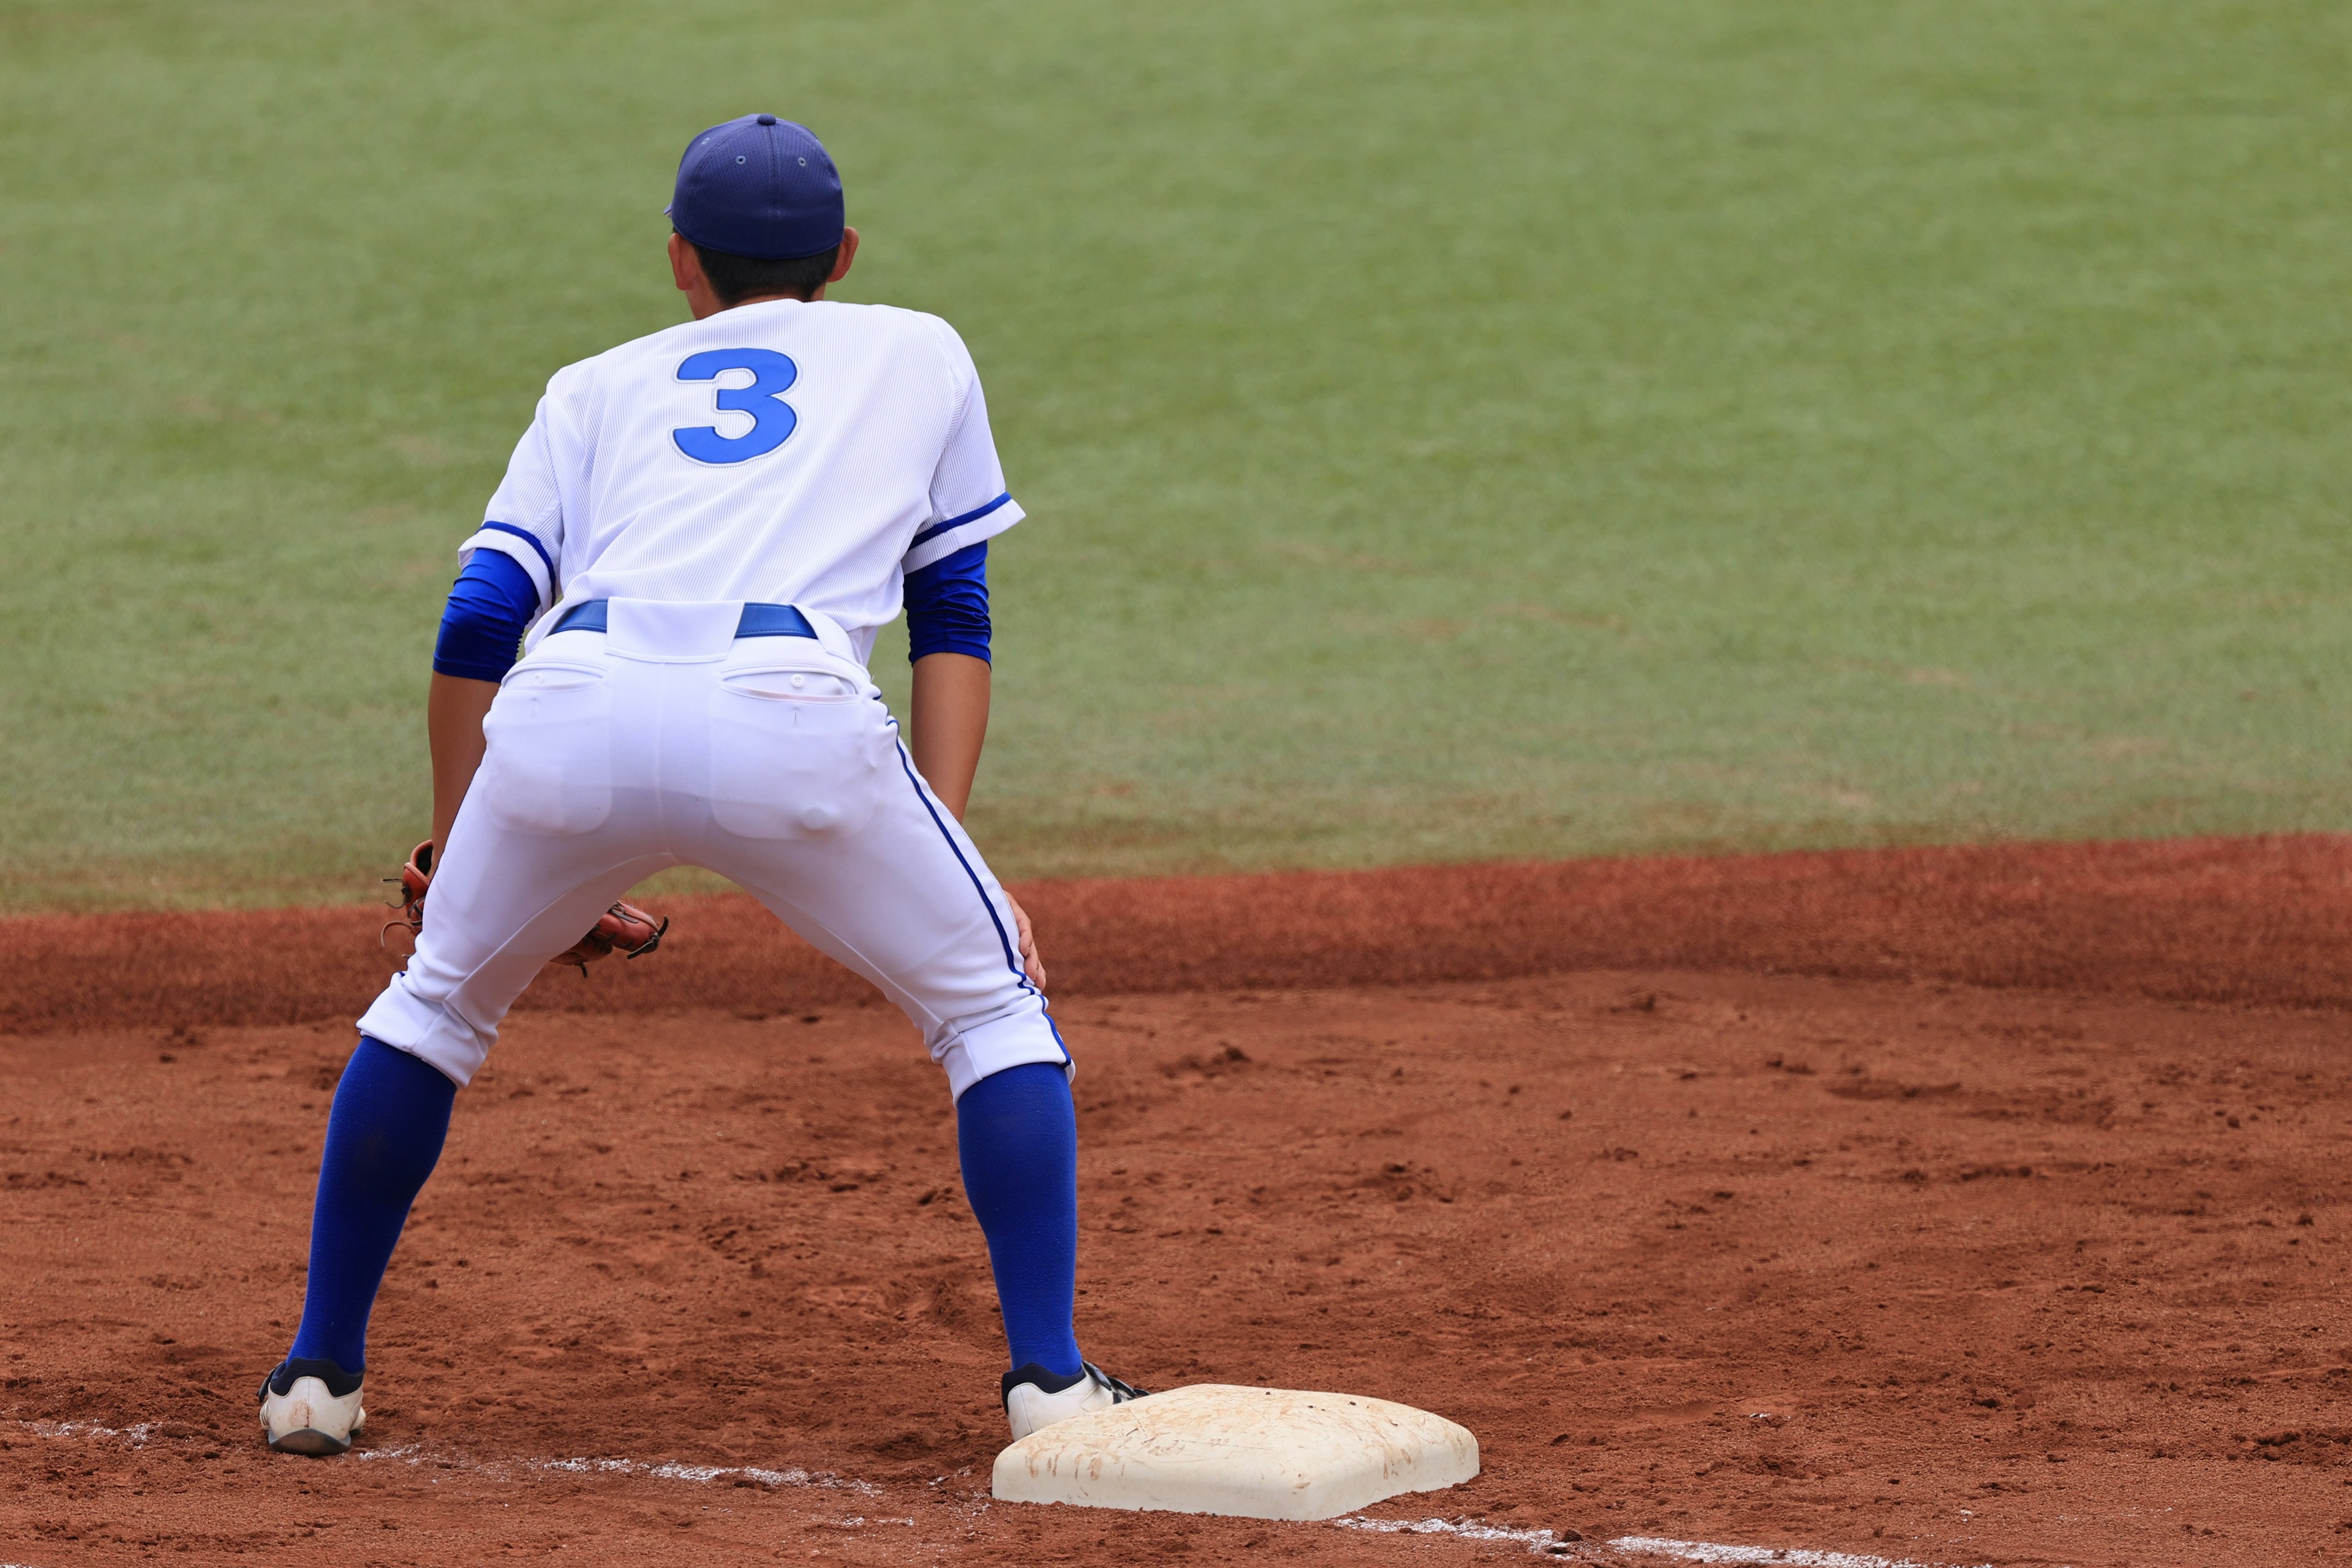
x: 666, y: 740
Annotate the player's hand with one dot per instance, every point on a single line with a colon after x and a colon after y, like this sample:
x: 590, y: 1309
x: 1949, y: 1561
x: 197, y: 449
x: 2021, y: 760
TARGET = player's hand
x: 1030, y: 963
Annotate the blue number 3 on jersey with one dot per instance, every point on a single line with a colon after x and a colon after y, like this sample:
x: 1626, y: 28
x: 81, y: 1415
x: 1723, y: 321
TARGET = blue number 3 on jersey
x: 773, y: 419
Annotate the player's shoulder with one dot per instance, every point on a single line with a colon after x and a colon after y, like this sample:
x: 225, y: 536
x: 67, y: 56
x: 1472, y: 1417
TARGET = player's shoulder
x: 922, y: 334
x: 581, y: 381
x: 916, y: 340
x: 578, y: 379
x: 897, y: 321
x: 679, y: 337
x: 778, y: 322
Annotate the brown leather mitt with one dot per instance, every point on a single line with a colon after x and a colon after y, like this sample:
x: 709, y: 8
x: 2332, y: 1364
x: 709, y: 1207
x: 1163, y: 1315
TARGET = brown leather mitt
x: 414, y: 878
x: 623, y: 927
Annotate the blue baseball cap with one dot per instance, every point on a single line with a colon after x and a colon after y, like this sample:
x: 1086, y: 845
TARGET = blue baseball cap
x: 758, y: 186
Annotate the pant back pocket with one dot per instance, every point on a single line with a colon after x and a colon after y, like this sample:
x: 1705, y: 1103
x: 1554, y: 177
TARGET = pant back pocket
x: 549, y: 766
x: 794, y: 752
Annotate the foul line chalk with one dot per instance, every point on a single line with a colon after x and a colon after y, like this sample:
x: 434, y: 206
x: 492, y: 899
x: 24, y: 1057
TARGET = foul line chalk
x: 702, y: 1474
x: 1536, y: 1540
x: 1544, y: 1542
x: 136, y: 1436
x: 1547, y: 1543
x: 1794, y: 1556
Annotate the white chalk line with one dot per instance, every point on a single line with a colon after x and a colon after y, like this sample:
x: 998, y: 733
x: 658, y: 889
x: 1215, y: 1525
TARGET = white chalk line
x: 703, y: 1475
x: 416, y: 1454
x: 1550, y: 1544
x: 1536, y: 1540
x: 1544, y: 1542
x: 1795, y: 1556
x: 134, y: 1435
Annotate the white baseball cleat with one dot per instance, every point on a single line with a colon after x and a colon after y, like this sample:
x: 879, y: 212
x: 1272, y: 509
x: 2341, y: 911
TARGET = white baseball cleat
x: 1035, y: 1399
x: 310, y: 1407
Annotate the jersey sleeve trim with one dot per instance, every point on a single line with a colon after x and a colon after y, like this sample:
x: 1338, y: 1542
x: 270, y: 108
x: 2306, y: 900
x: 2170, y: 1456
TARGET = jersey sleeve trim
x: 503, y: 537
x: 942, y: 540
x: 927, y: 534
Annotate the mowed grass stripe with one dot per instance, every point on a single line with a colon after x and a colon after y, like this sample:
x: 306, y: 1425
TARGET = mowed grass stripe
x: 1509, y: 430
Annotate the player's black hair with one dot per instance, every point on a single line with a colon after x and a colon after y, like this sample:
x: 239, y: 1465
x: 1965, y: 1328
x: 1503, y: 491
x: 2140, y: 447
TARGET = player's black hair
x: 738, y: 278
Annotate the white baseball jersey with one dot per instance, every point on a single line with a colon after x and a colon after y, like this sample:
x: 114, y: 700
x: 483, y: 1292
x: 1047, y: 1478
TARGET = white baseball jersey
x: 789, y: 452
x: 782, y: 452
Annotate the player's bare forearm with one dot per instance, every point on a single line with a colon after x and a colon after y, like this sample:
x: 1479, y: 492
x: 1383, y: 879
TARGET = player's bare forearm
x: 950, y: 724
x: 453, y: 723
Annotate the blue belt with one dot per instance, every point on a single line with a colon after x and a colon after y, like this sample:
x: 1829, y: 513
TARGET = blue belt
x: 758, y: 620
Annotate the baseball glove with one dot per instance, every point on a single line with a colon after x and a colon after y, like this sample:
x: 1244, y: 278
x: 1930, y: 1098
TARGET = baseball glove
x: 624, y: 927
x: 414, y: 878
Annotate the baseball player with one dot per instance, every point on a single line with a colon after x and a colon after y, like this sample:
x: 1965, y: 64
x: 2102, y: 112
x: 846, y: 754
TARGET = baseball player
x: 702, y: 531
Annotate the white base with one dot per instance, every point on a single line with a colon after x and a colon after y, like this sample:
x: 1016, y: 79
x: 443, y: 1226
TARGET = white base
x: 1252, y: 1453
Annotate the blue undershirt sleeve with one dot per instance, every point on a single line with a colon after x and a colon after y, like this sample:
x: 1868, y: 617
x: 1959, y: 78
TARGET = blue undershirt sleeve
x: 947, y: 604
x: 491, y: 602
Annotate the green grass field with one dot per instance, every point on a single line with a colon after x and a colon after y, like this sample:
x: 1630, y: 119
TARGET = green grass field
x: 1490, y: 429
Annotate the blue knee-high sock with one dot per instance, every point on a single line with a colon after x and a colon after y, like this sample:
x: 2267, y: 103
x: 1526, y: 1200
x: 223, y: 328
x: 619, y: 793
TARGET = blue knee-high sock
x: 383, y: 1137
x: 1017, y: 1134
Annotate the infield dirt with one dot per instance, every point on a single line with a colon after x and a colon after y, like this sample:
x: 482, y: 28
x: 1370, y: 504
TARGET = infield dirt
x: 1955, y: 1207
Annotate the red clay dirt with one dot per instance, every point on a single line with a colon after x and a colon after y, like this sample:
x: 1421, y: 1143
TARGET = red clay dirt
x: 2224, y: 919
x: 1943, y: 1206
